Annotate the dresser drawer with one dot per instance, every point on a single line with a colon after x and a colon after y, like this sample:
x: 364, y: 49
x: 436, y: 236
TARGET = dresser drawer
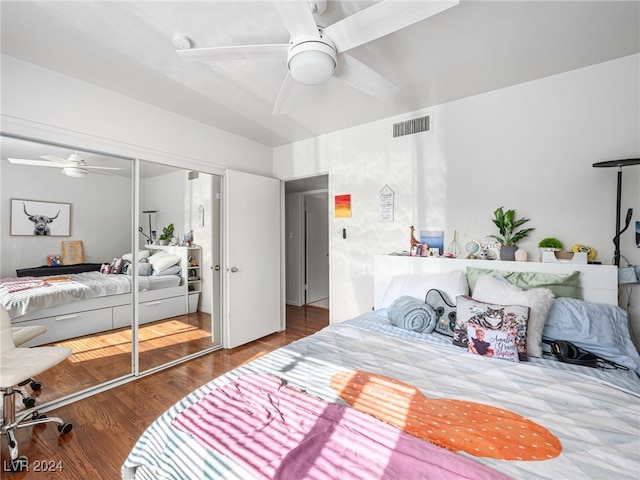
x: 62, y: 327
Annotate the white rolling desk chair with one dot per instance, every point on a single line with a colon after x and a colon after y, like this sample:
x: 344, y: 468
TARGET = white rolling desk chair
x: 16, y: 365
x: 22, y: 335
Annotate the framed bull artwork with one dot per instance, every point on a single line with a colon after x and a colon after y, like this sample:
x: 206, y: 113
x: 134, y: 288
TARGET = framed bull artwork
x: 36, y: 218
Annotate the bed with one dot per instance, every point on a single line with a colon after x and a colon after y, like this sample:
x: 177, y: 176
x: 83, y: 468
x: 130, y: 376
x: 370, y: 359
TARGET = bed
x: 372, y: 397
x: 86, y: 302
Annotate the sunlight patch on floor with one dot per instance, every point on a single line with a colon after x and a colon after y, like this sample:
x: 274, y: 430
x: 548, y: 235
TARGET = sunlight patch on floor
x: 150, y: 337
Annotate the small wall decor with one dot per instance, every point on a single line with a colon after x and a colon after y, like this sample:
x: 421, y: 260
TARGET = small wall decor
x: 36, y: 218
x: 343, y: 206
x: 386, y: 204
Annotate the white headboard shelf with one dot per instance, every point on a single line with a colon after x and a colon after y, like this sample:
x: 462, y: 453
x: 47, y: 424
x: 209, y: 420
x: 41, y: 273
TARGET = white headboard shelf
x: 599, y: 282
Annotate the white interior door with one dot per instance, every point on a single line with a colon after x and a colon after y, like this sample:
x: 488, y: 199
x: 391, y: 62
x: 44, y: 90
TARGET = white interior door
x: 316, y: 247
x: 253, y: 266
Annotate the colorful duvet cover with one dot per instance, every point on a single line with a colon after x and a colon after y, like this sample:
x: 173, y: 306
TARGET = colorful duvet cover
x: 365, y: 399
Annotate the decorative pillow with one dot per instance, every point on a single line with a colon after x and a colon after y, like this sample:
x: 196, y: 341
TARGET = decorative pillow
x: 539, y: 300
x: 163, y: 260
x: 144, y: 269
x: 600, y: 328
x: 128, y: 257
x: 452, y: 283
x: 116, y: 266
x: 491, y: 330
x: 562, y: 285
x: 412, y: 314
x: 172, y: 270
x: 445, y: 311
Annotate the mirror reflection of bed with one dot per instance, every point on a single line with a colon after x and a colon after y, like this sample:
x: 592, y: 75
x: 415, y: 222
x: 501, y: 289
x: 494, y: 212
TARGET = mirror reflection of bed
x: 102, y: 213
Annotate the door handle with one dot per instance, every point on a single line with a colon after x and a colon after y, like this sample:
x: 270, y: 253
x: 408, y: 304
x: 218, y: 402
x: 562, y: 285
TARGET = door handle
x: 233, y: 269
x: 217, y: 268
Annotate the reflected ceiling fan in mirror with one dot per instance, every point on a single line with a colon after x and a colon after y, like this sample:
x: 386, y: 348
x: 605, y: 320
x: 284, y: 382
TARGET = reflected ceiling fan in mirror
x: 315, y: 54
x: 74, y: 166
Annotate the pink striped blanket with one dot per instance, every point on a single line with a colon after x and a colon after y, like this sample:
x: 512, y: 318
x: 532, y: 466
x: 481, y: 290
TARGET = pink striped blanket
x: 12, y: 285
x: 276, y: 431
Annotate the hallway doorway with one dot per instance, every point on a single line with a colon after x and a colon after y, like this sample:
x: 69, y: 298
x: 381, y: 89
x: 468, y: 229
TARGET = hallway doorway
x: 307, y: 241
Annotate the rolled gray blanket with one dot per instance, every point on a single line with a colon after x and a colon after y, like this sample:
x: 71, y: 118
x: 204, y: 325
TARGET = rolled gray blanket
x: 412, y: 314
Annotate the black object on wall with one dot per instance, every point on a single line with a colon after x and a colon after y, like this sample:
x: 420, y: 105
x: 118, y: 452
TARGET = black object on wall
x: 619, y: 163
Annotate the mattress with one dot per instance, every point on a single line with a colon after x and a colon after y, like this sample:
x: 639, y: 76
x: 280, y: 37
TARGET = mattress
x: 588, y: 417
x: 25, y: 294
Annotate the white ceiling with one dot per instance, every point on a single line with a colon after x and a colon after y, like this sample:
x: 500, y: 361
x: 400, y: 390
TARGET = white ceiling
x: 474, y: 47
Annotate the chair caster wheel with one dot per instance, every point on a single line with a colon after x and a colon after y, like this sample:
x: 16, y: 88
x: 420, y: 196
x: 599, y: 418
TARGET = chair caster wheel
x: 65, y: 428
x: 38, y: 416
x: 29, y: 402
x: 19, y: 464
x: 35, y: 385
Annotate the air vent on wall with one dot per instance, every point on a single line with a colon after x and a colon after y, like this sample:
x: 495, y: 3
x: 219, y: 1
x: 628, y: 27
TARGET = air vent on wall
x: 409, y: 127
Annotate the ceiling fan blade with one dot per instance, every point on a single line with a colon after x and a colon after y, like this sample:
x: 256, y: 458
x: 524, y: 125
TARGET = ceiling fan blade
x: 58, y: 161
x: 297, y: 17
x: 285, y: 91
x: 93, y: 167
x: 365, y: 79
x: 382, y: 19
x: 36, y: 163
x: 237, y: 52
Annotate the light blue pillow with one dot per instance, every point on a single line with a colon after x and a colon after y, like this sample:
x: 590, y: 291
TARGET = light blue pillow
x: 600, y: 328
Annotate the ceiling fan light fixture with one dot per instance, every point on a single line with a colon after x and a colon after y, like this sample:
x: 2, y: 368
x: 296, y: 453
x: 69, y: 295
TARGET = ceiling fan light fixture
x: 313, y: 61
x: 75, y: 172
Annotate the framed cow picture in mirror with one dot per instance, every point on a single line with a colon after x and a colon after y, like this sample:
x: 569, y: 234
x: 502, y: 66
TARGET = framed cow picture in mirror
x: 38, y: 218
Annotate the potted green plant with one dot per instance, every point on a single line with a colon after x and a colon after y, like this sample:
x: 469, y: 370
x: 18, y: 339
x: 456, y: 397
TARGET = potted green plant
x: 166, y: 235
x: 549, y: 244
x: 509, y: 235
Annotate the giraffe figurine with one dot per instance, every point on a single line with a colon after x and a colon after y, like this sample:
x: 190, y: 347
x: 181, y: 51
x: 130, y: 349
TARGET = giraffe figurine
x: 414, y: 242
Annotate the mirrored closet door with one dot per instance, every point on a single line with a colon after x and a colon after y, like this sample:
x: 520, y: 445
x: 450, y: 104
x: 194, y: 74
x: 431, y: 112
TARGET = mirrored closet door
x: 179, y: 232
x: 68, y: 262
x: 65, y: 212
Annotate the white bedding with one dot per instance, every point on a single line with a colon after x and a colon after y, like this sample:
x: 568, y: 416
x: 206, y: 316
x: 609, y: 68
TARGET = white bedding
x: 25, y: 294
x: 593, y: 414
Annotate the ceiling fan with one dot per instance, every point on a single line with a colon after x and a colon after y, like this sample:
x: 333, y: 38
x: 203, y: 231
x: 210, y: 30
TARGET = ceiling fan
x: 314, y: 52
x: 73, y: 166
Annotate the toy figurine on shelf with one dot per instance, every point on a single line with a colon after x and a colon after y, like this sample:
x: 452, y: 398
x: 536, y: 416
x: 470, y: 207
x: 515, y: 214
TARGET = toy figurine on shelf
x: 414, y: 242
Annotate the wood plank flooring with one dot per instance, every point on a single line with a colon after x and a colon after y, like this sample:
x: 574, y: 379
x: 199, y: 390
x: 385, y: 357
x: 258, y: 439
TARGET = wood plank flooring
x: 106, y: 425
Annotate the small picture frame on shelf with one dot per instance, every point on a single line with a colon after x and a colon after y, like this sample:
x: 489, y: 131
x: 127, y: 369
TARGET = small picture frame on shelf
x: 188, y: 238
x: 54, y: 260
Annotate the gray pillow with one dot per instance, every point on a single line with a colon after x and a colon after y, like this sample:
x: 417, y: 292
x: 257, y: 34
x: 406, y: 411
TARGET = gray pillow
x: 600, y: 328
x: 144, y: 269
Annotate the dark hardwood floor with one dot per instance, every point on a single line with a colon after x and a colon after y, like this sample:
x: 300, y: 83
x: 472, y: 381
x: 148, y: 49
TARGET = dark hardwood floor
x: 106, y: 425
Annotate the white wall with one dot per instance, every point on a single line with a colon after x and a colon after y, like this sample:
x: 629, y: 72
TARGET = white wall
x: 166, y: 195
x: 100, y: 206
x: 529, y: 147
x: 118, y: 124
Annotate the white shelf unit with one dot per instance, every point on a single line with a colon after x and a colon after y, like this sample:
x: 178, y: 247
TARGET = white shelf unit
x: 191, y: 262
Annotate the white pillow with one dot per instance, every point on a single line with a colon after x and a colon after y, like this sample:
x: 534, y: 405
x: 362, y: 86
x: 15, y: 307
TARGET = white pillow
x: 493, y: 290
x: 417, y: 285
x: 163, y: 260
x: 128, y: 257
